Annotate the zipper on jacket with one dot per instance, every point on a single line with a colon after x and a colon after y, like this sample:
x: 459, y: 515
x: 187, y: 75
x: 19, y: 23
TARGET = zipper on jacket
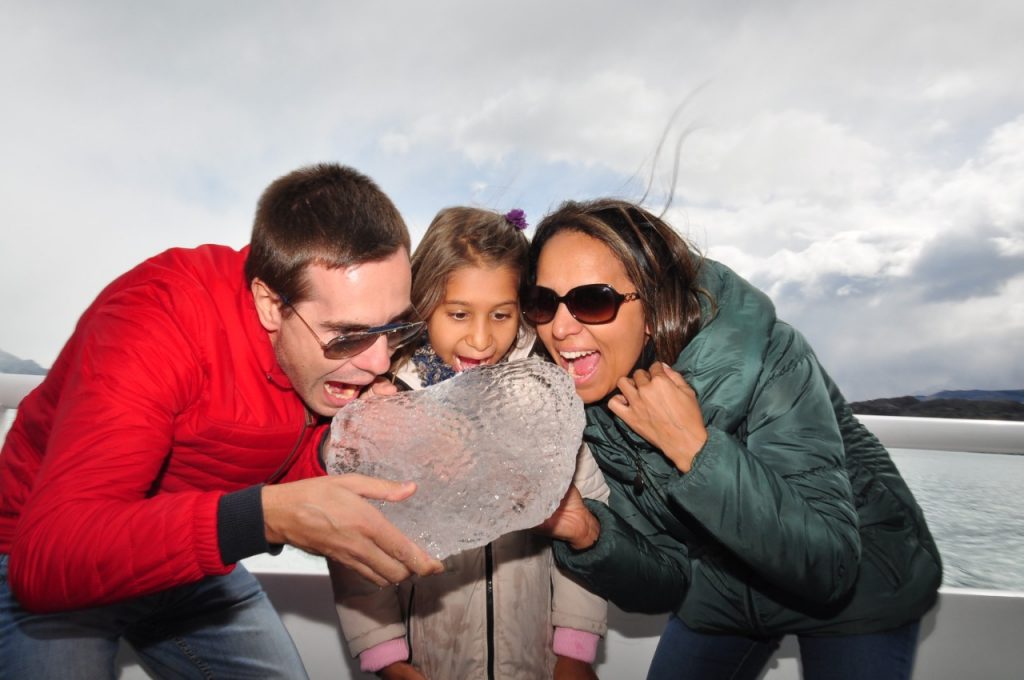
x: 489, y: 569
x: 307, y: 421
x: 642, y: 480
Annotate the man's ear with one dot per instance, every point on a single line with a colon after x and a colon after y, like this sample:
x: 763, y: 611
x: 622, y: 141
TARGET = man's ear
x: 268, y: 306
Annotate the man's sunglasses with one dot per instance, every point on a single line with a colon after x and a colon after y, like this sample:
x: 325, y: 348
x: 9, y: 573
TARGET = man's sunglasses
x: 398, y: 334
x: 594, y: 303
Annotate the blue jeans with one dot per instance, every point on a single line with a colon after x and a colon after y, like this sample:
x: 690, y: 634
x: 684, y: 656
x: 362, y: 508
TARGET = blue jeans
x: 685, y: 653
x: 220, y: 627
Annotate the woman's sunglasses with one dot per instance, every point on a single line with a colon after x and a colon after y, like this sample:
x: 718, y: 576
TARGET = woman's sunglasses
x: 398, y: 334
x: 594, y: 303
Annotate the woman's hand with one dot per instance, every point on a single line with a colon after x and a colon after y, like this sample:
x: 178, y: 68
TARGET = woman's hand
x: 573, y: 669
x: 572, y: 522
x: 401, y: 670
x: 662, y: 408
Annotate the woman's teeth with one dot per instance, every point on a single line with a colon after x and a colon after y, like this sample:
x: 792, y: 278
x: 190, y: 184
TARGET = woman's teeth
x: 585, y: 367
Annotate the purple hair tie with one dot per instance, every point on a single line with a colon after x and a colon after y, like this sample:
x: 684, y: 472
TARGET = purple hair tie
x: 517, y: 218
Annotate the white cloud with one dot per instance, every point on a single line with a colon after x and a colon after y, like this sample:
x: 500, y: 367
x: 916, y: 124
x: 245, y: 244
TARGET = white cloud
x: 394, y: 143
x: 879, y: 228
x: 607, y: 118
x: 959, y: 84
x: 781, y: 155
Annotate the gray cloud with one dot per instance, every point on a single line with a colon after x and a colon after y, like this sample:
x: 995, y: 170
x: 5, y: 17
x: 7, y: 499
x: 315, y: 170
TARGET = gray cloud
x: 965, y: 267
x: 886, y: 342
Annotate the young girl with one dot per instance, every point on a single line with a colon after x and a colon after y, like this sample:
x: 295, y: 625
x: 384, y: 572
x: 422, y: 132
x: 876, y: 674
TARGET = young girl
x: 503, y: 611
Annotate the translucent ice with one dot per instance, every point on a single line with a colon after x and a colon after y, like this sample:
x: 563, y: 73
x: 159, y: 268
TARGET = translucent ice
x: 491, y: 450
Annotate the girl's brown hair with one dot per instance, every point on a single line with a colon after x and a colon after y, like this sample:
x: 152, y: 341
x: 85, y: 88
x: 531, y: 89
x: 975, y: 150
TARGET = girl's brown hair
x: 462, y: 237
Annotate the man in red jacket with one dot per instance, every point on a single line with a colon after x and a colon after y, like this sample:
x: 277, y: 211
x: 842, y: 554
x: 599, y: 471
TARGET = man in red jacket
x: 179, y: 430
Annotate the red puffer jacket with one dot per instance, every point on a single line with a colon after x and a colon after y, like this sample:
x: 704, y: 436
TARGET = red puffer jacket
x: 167, y: 396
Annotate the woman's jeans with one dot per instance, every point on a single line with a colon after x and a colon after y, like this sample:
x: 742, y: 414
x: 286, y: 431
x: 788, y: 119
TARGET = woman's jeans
x: 220, y: 627
x: 684, y: 653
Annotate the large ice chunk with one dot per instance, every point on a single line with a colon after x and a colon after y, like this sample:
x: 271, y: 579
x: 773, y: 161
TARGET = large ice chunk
x: 492, y: 450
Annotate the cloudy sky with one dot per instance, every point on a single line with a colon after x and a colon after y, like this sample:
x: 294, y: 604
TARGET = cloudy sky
x: 862, y: 162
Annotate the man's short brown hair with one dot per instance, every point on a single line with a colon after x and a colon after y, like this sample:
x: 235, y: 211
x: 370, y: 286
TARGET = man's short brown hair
x: 325, y: 214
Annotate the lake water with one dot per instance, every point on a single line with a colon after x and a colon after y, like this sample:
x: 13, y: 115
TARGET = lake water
x: 972, y: 504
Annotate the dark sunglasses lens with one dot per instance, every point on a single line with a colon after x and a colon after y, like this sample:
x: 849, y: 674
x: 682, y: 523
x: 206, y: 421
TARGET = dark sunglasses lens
x: 356, y: 343
x: 403, y: 336
x: 539, y: 304
x: 593, y: 303
x: 339, y: 348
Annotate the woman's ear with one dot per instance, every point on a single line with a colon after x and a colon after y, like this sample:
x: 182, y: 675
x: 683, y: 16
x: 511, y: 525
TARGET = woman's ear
x: 268, y: 305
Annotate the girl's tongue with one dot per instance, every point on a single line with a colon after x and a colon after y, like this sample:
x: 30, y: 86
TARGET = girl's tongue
x: 465, y: 363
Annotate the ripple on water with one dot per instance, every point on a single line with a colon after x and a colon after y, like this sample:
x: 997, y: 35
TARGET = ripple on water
x: 970, y: 503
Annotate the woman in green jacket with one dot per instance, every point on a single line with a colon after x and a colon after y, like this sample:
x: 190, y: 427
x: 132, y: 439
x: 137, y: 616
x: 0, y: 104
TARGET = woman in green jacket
x: 746, y: 498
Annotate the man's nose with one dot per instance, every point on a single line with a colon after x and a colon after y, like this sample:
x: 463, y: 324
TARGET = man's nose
x: 376, y: 358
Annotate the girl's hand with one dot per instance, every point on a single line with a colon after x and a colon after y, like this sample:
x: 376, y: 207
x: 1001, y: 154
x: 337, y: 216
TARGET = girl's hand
x: 572, y: 522
x: 662, y: 408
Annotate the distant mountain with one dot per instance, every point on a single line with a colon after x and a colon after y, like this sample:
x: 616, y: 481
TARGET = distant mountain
x: 12, y: 364
x: 970, y: 404
x: 984, y: 395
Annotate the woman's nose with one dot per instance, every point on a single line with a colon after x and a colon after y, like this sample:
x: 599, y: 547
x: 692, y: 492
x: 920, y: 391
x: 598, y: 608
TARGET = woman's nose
x: 564, y: 324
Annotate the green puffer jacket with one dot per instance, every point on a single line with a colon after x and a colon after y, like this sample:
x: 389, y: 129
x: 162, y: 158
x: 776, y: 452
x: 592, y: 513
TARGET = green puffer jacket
x: 793, y: 518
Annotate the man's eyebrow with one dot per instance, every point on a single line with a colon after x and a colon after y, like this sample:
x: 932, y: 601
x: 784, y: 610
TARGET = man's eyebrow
x: 345, y: 328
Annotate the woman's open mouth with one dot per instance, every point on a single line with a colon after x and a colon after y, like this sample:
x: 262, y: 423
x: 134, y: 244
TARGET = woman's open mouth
x: 581, y: 364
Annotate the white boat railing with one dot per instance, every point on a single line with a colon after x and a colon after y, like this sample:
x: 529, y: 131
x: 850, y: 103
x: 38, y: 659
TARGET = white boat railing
x: 947, y: 434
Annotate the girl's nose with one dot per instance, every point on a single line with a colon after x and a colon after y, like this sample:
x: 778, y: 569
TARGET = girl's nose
x: 480, y: 335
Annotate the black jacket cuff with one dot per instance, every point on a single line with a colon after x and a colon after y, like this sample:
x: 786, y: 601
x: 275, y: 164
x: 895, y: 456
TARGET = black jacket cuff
x: 240, y: 530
